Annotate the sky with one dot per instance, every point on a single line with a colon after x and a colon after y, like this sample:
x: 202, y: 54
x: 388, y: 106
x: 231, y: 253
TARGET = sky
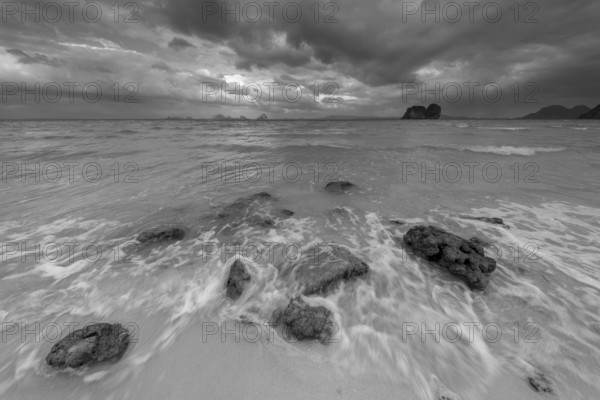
x: 295, y: 59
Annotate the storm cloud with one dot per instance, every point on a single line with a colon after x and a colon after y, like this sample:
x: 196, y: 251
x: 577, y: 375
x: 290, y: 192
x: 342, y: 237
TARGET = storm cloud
x: 382, y: 56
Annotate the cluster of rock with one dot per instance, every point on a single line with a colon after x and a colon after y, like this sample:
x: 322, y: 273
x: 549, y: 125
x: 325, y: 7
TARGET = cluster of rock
x: 318, y: 272
x: 434, y: 111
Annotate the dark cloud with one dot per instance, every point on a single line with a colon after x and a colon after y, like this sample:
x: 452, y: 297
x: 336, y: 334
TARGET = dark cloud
x: 162, y: 66
x: 35, y: 58
x: 179, y: 44
x: 370, y: 49
x: 380, y: 42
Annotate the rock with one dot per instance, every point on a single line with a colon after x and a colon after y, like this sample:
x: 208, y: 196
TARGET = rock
x: 260, y: 221
x: 255, y: 211
x: 88, y: 346
x: 419, y: 112
x: 480, y: 242
x: 161, y: 234
x: 540, y: 383
x: 489, y: 220
x: 243, y: 205
x: 592, y: 114
x: 323, y: 266
x: 284, y: 213
x: 339, y: 212
x: 459, y: 256
x: 339, y: 186
x: 238, y: 278
x: 433, y: 112
x: 305, y: 322
x: 263, y: 117
x: 416, y: 112
x: 497, y: 221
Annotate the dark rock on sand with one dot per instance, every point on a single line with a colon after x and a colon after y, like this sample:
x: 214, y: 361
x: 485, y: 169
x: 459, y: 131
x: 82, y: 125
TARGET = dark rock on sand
x: 238, y: 278
x: 306, y: 322
x: 540, y: 383
x: 88, y: 346
x: 323, y: 266
x: 162, y: 234
x: 459, y: 256
x: 339, y: 186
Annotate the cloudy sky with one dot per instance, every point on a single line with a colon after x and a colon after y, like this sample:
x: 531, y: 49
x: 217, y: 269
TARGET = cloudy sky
x: 295, y: 59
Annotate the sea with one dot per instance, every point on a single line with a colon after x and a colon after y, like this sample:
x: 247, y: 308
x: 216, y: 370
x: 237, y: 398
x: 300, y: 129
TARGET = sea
x: 75, y: 195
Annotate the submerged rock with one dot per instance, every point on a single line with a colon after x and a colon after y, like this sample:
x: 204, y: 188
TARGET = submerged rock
x: 283, y: 213
x: 540, y: 383
x: 260, y: 221
x: 339, y: 186
x: 161, y: 234
x: 480, y: 242
x: 306, y: 322
x: 251, y: 210
x: 238, y: 278
x: 459, y: 256
x: 88, y: 346
x: 489, y: 220
x: 244, y: 204
x: 323, y: 266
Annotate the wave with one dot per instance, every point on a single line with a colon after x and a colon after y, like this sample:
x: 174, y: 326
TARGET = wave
x: 501, y: 150
x: 512, y: 150
x: 504, y: 128
x: 574, y: 127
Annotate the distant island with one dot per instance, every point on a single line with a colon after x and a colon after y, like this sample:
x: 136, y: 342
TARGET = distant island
x: 592, y: 114
x: 558, y: 112
x: 434, y: 111
x: 221, y: 117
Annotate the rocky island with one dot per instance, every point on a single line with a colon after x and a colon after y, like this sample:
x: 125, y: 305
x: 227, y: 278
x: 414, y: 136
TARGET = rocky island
x: 434, y: 111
